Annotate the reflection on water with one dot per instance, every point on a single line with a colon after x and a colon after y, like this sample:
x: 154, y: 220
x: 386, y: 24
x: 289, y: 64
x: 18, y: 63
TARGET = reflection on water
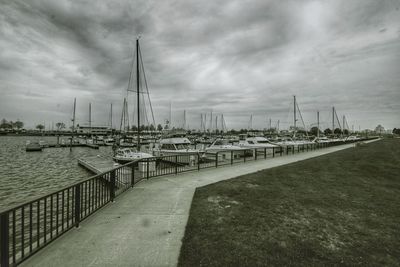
x: 27, y: 175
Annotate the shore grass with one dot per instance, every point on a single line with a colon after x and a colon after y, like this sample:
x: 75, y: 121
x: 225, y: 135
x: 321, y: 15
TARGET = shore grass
x: 338, y: 209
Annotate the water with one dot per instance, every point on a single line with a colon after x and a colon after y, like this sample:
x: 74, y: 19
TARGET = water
x: 28, y: 175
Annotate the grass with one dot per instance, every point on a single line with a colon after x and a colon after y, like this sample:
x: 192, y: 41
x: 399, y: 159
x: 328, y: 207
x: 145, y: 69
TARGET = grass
x: 339, y: 209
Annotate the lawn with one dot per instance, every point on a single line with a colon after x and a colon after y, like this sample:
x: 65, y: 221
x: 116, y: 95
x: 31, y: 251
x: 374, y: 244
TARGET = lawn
x: 339, y: 209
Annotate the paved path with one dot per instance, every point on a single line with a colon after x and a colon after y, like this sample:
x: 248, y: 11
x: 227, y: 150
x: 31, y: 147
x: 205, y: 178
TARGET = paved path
x: 145, y: 225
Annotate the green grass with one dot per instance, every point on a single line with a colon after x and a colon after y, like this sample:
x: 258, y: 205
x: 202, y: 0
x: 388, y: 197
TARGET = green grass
x: 339, y: 209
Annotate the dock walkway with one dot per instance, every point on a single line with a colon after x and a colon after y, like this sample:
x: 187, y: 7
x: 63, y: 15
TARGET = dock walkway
x: 144, y: 227
x: 97, y: 164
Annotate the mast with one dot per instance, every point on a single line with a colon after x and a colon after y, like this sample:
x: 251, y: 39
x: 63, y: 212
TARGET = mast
x: 333, y: 119
x: 73, y: 125
x: 294, y: 113
x: 278, y: 127
x: 111, y: 117
x: 318, y: 124
x: 216, y: 123
x: 184, y: 119
x: 344, y: 119
x: 138, y: 93
x: 211, y: 121
x: 90, y: 118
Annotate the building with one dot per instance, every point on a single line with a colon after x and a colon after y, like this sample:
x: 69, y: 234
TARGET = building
x: 96, y: 130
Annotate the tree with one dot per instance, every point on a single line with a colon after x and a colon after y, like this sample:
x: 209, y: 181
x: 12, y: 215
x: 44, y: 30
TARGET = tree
x: 337, y: 131
x: 19, y: 124
x: 396, y: 131
x: 60, y: 126
x: 327, y: 131
x: 159, y: 128
x: 346, y: 132
x: 314, y: 131
x: 152, y: 128
x: 40, y: 127
x: 134, y: 128
x: 4, y: 124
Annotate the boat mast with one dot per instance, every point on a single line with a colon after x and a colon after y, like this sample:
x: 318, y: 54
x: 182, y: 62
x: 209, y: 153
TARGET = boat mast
x: 333, y: 120
x: 73, y: 125
x: 318, y: 124
x: 138, y: 93
x: 90, y: 118
x: 294, y: 115
x: 184, y: 119
x: 111, y: 117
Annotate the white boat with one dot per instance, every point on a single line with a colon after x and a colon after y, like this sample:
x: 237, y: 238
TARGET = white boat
x: 109, y: 141
x: 256, y: 142
x: 224, y: 149
x: 124, y: 155
x: 179, y: 146
x: 176, y: 145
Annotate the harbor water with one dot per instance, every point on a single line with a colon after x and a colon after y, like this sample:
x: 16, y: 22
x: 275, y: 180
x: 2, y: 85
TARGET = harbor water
x: 28, y: 175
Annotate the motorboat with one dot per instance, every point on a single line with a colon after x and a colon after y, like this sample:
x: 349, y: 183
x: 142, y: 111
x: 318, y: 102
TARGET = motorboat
x: 176, y: 145
x: 125, y: 155
x: 256, y: 142
x: 224, y: 149
x: 109, y: 141
x: 179, y: 146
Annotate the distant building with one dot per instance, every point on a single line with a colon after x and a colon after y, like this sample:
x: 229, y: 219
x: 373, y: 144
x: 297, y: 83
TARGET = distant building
x: 379, y: 129
x: 97, y: 130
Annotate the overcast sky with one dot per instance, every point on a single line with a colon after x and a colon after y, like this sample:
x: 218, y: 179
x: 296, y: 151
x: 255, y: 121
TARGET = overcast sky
x: 235, y: 57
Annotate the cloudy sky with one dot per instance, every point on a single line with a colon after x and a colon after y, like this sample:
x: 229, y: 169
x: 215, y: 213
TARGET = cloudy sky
x: 235, y: 57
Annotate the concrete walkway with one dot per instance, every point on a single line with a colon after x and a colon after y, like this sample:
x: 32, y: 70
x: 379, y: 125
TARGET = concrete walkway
x: 145, y: 225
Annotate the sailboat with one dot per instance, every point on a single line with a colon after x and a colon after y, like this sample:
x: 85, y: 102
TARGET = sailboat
x: 124, y: 155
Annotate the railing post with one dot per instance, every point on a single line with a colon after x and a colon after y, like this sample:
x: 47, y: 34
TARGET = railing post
x: 281, y: 151
x: 273, y: 152
x: 132, y: 175
x: 287, y: 150
x: 112, y: 185
x: 298, y: 149
x: 216, y: 160
x: 244, y: 155
x: 77, y: 204
x: 176, y: 164
x: 231, y: 157
x: 255, y: 153
x: 265, y: 152
x: 293, y: 149
x: 4, y: 240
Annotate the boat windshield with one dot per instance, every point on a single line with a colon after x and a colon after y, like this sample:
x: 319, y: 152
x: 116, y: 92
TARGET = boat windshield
x: 221, y: 143
x: 262, y: 141
x: 182, y: 146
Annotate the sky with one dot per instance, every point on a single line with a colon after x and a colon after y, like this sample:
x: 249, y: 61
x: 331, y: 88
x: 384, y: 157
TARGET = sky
x: 239, y: 58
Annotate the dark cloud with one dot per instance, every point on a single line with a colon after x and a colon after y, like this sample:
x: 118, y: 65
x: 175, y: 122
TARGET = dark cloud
x: 233, y: 57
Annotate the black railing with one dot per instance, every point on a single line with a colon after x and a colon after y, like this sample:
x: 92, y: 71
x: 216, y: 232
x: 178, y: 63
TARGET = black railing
x: 27, y: 228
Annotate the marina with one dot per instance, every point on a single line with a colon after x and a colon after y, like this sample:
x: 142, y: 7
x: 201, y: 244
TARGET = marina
x: 199, y: 134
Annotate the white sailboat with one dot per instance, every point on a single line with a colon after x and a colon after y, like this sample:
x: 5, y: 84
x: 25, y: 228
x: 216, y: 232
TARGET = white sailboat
x: 123, y: 155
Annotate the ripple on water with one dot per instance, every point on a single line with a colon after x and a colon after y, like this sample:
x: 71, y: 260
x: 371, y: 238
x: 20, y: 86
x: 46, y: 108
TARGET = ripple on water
x: 25, y: 176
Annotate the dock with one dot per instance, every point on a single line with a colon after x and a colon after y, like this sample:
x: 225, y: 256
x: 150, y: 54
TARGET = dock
x: 69, y: 145
x: 97, y: 164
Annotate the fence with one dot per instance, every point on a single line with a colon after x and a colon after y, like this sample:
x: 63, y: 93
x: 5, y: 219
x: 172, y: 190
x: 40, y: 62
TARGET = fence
x: 27, y: 228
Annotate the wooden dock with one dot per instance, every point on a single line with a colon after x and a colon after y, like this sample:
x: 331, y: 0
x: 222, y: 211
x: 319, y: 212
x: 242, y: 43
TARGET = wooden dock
x: 97, y: 164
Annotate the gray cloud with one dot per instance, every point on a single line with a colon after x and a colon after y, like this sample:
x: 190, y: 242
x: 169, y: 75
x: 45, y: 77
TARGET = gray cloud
x: 233, y: 57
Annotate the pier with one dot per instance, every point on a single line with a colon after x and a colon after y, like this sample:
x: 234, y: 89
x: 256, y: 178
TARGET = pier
x: 97, y: 164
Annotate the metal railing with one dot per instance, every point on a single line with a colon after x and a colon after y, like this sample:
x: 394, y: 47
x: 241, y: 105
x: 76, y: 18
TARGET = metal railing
x: 28, y: 227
